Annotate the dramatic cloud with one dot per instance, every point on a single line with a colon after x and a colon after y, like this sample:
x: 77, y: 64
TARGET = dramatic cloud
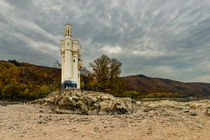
x: 163, y: 38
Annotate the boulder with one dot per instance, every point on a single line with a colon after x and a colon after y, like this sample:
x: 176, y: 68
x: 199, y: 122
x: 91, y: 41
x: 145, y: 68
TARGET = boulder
x: 77, y: 101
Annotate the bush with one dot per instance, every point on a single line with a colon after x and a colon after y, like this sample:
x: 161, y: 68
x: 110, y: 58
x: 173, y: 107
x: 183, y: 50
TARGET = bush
x: 44, y: 91
x: 131, y: 94
x: 11, y: 91
x: 164, y: 95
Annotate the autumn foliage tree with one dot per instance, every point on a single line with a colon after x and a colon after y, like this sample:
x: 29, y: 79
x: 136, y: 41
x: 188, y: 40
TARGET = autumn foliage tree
x: 106, y: 73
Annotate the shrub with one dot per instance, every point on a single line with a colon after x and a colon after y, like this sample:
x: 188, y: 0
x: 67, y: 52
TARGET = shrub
x: 11, y: 91
x: 131, y: 94
x: 44, y: 91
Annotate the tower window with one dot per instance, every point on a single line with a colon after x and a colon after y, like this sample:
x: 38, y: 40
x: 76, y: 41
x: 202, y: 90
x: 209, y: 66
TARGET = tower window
x: 68, y: 43
x: 68, y: 32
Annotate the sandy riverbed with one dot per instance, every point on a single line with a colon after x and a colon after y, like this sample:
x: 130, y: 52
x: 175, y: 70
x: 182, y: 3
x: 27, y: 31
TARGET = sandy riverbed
x: 161, y: 120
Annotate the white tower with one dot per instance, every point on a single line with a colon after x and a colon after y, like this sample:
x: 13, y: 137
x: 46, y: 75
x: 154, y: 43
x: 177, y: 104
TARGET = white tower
x: 71, y: 60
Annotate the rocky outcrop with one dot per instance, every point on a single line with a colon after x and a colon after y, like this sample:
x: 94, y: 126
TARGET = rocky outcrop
x: 76, y: 101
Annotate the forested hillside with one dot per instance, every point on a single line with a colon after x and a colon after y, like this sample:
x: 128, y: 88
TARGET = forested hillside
x: 150, y: 86
x: 20, y: 80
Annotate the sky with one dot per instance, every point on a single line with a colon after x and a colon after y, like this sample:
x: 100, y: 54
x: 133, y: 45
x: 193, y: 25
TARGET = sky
x: 157, y: 38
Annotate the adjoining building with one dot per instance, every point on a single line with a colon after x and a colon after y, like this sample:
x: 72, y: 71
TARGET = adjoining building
x: 71, y: 60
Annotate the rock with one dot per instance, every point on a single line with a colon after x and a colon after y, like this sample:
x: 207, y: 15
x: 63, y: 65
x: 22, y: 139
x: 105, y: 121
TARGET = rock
x: 207, y: 112
x: 75, y: 101
x: 200, y: 126
x: 186, y: 111
x: 69, y: 129
x: 39, y: 122
x: 96, y: 128
x: 46, y: 118
x: 59, y: 119
x: 193, y: 114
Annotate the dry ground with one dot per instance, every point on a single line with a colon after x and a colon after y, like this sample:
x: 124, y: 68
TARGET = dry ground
x: 153, y: 122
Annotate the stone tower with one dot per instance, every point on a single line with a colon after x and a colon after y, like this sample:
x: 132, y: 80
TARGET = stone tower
x: 71, y: 60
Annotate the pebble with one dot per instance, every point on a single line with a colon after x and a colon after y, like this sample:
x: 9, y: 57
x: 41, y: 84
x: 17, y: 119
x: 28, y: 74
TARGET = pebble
x: 96, y: 128
x: 60, y: 119
x: 22, y: 135
x: 185, y: 111
x: 193, y: 114
x: 66, y: 123
x: 200, y: 126
x: 39, y: 122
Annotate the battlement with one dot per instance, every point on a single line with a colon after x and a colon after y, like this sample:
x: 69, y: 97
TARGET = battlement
x: 76, y: 42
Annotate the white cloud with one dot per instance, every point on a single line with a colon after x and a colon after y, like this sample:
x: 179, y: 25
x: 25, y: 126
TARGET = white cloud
x: 112, y: 50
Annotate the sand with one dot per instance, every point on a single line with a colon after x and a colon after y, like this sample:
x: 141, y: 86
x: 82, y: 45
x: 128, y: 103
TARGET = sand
x: 35, y: 122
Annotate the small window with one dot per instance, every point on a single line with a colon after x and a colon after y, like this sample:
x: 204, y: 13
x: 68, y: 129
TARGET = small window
x: 68, y: 43
x: 73, y: 60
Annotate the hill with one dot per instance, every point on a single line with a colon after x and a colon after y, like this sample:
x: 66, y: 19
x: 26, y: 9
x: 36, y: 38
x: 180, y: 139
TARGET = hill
x: 18, y: 79
x: 146, y: 85
x: 21, y: 80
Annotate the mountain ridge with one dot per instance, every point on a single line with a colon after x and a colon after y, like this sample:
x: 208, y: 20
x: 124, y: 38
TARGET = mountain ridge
x: 146, y: 85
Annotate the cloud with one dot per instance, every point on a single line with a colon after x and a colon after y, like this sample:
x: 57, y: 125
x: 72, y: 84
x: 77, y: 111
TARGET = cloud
x: 112, y: 50
x: 155, y: 37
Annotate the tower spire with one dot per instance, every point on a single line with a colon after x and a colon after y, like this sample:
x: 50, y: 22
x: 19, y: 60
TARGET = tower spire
x: 68, y: 30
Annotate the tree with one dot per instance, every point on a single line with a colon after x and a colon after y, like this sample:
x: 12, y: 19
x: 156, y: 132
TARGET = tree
x: 101, y: 69
x: 106, y: 72
x: 13, y: 62
x: 86, y: 79
x: 115, y: 70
